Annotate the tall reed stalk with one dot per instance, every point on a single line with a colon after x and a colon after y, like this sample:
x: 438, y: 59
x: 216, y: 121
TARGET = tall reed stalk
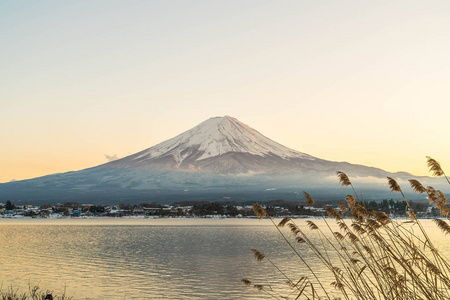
x: 370, y: 255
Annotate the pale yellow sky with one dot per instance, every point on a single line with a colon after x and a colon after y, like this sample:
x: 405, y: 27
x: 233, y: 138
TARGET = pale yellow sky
x: 363, y: 82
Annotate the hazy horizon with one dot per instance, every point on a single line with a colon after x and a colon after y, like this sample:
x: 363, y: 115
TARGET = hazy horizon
x: 85, y: 82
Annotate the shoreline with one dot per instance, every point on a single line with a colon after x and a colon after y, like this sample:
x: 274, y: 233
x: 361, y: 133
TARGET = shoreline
x: 159, y: 221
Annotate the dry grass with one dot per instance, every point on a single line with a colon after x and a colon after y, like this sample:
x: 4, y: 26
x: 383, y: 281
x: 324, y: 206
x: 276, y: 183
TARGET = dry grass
x: 370, y: 256
x: 34, y: 293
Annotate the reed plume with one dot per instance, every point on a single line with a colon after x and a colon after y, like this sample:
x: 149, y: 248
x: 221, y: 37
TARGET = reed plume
x: 342, y: 207
x: 441, y: 196
x: 299, y: 239
x: 309, y: 199
x: 350, y: 201
x: 246, y: 282
x: 435, y: 167
x: 312, y: 225
x: 332, y: 213
x: 417, y: 186
x: 338, y: 236
x: 441, y: 204
x: 258, y: 255
x: 381, y: 217
x: 259, y: 211
x: 443, y: 225
x: 284, y: 221
x: 294, y: 229
x: 393, y: 185
x: 260, y: 287
x: 432, y: 194
x: 343, y: 178
x: 345, y: 181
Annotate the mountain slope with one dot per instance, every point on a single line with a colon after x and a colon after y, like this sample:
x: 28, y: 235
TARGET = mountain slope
x: 220, y: 145
x: 218, y: 157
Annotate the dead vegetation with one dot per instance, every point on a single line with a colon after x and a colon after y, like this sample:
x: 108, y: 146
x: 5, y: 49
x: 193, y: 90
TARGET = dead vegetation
x: 370, y: 255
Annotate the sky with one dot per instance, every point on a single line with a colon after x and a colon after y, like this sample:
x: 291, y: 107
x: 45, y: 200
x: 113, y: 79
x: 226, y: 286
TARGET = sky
x: 82, y: 82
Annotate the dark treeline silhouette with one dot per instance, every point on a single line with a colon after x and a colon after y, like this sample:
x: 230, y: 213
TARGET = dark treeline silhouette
x: 228, y: 208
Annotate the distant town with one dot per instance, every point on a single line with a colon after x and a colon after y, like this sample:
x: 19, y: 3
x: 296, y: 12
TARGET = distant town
x: 198, y: 209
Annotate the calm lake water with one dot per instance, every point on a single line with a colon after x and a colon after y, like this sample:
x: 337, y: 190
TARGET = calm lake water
x: 149, y: 258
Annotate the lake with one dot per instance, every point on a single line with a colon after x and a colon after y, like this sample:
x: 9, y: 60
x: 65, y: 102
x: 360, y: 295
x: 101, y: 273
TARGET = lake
x: 149, y: 258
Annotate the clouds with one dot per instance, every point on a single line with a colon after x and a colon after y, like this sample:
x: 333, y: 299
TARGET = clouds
x: 111, y: 157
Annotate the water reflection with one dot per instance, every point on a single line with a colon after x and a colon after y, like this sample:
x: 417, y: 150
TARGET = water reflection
x: 138, y: 259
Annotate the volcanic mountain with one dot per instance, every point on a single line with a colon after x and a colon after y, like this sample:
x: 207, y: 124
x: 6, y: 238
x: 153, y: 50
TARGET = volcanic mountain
x: 218, y: 157
x: 224, y: 145
x: 219, y: 145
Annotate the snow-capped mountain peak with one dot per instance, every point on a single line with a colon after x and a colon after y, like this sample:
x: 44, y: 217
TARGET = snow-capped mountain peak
x: 218, y: 136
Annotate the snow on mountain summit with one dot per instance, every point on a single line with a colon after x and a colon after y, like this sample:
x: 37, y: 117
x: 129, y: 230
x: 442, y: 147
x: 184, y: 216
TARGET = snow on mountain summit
x: 218, y: 136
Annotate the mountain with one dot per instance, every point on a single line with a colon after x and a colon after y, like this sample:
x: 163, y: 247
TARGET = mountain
x: 219, y: 145
x: 220, y: 157
x: 224, y: 145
